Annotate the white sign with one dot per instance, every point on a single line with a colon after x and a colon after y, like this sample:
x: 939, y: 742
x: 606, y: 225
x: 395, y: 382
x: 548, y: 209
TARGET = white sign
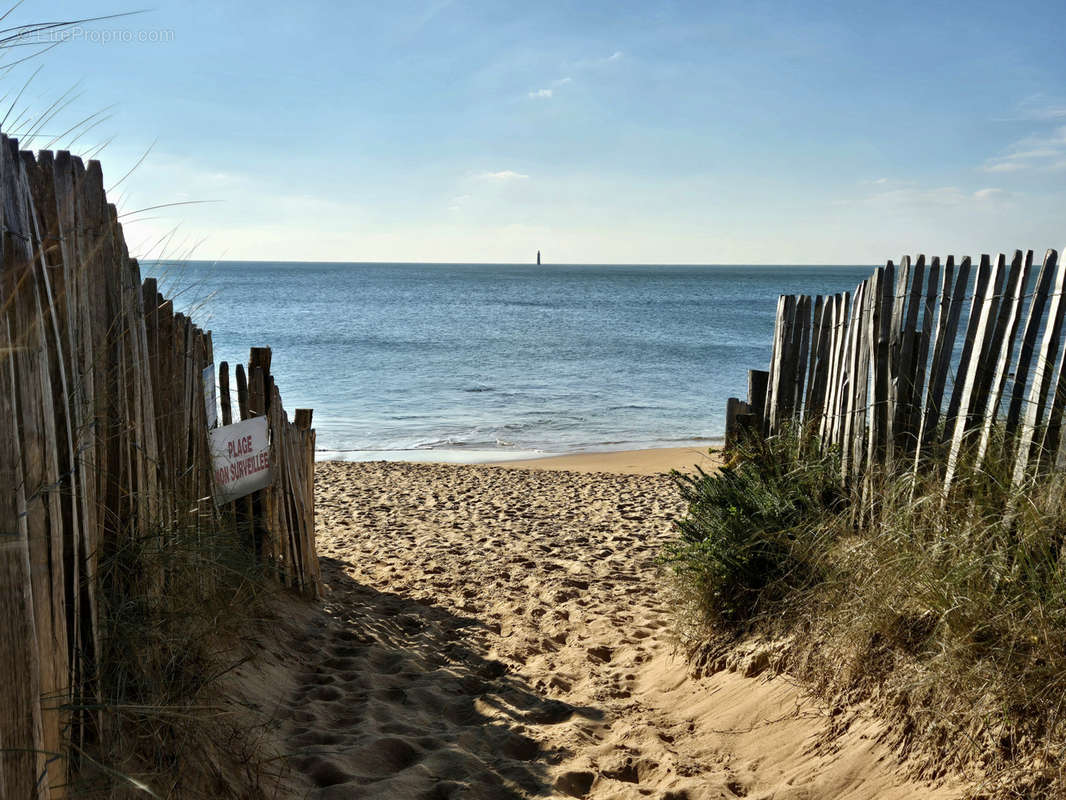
x: 240, y: 458
x: 210, y: 401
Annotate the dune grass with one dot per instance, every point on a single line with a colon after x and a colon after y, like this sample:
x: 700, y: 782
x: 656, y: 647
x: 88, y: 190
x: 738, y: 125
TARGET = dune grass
x: 946, y: 611
x: 175, y: 607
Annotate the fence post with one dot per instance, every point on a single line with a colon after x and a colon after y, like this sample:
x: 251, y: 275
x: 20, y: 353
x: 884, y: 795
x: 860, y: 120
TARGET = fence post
x: 757, y: 383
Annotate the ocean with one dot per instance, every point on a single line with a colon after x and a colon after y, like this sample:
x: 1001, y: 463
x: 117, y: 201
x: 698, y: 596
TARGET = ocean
x: 478, y: 362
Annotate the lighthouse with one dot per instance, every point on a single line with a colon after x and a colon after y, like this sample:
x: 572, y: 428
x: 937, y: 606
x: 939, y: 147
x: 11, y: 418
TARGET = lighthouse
x: 538, y: 258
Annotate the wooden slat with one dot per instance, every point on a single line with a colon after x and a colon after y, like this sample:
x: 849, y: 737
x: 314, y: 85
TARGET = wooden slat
x: 979, y: 335
x: 242, y: 392
x: 905, y: 381
x: 302, y: 421
x: 1009, y: 320
x: 921, y: 366
x: 774, y: 370
x: 223, y: 391
x: 779, y: 395
x: 63, y: 501
x: 818, y: 375
x: 51, y: 605
x: 866, y: 335
x: 812, y: 360
x: 1005, y: 290
x: 801, y: 350
x: 1045, y: 358
x: 757, y: 383
x: 825, y: 423
x: 896, y: 335
x: 41, y: 469
x: 1027, y: 347
x: 82, y: 609
x: 25, y: 628
x: 951, y: 303
x: 879, y: 342
x: 969, y: 342
x: 733, y: 407
x: 260, y: 357
x: 20, y: 712
x: 837, y: 386
x: 1049, y: 449
x: 850, y: 389
x: 57, y: 298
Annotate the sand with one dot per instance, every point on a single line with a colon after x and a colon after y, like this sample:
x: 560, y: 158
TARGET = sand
x: 624, y: 462
x: 504, y: 632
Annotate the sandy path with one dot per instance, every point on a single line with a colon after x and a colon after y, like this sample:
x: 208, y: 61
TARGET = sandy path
x: 503, y: 633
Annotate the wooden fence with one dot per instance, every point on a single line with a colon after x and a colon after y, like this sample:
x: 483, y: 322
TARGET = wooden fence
x: 882, y: 374
x: 103, y: 438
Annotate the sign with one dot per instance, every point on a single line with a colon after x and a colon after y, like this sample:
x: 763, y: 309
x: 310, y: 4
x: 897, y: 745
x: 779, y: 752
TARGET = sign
x: 240, y: 458
x: 210, y: 401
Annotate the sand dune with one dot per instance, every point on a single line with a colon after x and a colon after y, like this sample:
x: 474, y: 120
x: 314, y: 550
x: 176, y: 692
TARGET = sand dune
x: 504, y: 633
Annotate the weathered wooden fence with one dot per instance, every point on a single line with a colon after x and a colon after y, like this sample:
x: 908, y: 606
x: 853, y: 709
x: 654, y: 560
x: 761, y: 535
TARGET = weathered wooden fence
x: 883, y: 375
x: 103, y: 438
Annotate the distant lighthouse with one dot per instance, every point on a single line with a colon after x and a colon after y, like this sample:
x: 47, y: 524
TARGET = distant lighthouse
x: 538, y: 258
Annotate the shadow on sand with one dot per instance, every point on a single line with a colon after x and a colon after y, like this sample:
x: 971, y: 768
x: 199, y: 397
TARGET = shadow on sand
x: 397, y: 699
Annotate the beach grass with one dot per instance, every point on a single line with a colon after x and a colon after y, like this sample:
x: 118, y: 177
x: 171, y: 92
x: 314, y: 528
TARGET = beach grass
x: 175, y: 607
x: 945, y: 611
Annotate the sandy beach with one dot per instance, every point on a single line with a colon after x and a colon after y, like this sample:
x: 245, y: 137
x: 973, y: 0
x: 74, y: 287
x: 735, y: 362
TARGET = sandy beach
x: 505, y: 632
x: 652, y: 461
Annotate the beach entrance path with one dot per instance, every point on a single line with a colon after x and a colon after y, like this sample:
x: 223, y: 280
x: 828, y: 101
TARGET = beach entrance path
x: 505, y: 633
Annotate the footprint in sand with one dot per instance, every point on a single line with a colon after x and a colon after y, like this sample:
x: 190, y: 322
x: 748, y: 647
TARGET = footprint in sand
x: 504, y: 641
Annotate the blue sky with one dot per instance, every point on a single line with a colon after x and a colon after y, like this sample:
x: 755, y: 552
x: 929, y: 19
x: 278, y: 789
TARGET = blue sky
x: 652, y: 132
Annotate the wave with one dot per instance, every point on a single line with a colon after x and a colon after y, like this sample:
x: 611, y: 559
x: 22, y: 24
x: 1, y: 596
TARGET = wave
x: 434, y: 444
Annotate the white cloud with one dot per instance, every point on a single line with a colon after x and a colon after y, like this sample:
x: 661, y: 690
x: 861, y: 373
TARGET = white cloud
x: 593, y: 63
x: 1032, y: 152
x: 1004, y: 166
x: 941, y: 196
x: 988, y: 194
x: 1038, y: 107
x: 548, y: 93
x: 503, y: 175
x: 457, y: 203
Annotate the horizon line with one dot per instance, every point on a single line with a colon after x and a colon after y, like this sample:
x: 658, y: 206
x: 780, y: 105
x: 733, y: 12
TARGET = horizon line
x: 511, y: 263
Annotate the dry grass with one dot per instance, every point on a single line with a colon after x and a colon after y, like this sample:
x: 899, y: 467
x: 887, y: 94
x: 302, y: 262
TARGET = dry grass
x: 176, y: 607
x: 947, y: 612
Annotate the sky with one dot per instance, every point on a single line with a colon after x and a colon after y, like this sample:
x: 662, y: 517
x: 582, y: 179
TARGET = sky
x: 596, y: 132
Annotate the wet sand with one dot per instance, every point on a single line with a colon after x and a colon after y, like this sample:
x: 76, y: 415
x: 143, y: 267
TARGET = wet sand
x: 625, y: 462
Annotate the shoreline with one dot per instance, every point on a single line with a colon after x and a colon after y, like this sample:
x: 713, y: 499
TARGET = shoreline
x: 648, y: 461
x: 640, y: 461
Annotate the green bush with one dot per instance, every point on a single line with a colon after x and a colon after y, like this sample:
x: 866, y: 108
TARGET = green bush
x: 749, y: 535
x: 946, y: 610
x: 952, y: 607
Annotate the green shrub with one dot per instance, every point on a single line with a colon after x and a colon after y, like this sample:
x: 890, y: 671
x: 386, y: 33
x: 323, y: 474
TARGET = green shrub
x: 749, y: 533
x: 946, y: 610
x: 952, y: 607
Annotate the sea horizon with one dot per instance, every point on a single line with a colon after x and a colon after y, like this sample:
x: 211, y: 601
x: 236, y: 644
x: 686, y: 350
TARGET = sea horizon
x: 352, y: 262
x: 476, y: 362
